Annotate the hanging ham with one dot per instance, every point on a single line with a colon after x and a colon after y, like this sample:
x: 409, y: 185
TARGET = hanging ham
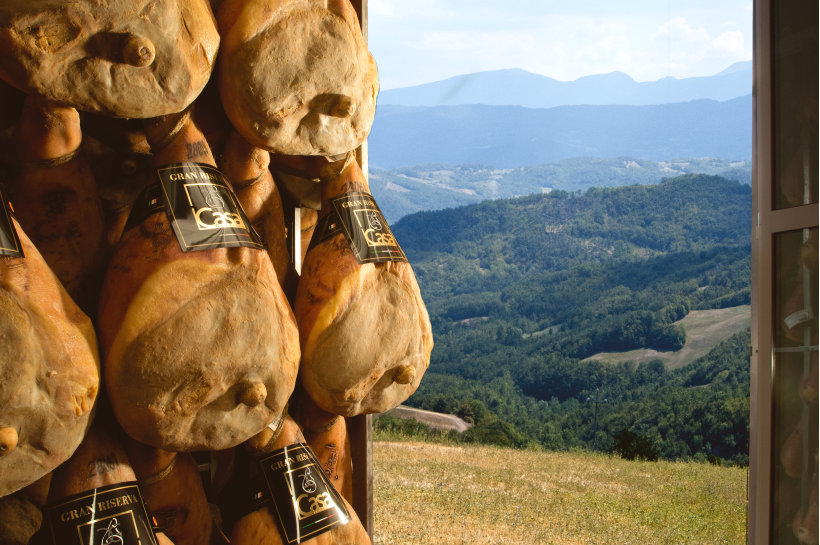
x: 95, y: 494
x: 121, y: 58
x: 284, y: 447
x: 201, y: 347
x: 295, y: 76
x: 365, y: 332
x: 49, y: 366
x: 56, y: 199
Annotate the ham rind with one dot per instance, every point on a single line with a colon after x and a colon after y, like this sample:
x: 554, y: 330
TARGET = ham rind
x: 49, y: 369
x: 326, y: 433
x: 171, y: 486
x: 259, y: 527
x: 246, y: 166
x: 295, y: 76
x: 120, y: 58
x: 364, y: 329
x: 100, y: 461
x: 201, y: 348
x: 56, y: 199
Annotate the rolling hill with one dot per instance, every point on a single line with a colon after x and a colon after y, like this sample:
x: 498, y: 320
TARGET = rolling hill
x: 403, y: 191
x: 522, y: 292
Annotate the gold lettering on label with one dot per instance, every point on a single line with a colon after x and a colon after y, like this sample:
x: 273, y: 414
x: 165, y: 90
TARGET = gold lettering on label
x: 178, y: 176
x: 308, y: 505
x: 220, y: 220
x: 379, y: 239
x: 128, y: 499
x: 282, y: 464
x: 204, y: 174
x: 72, y: 514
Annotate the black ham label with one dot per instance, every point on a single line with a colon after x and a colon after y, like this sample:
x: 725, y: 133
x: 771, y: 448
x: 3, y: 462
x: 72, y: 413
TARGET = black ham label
x: 327, y: 227
x: 148, y: 203
x: 358, y: 216
x: 203, y: 209
x: 305, y: 504
x: 110, y: 515
x: 9, y: 241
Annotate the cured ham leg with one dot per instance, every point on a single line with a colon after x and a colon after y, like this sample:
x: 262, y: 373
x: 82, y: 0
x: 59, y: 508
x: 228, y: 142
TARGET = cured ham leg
x: 201, y: 346
x: 20, y: 513
x: 172, y: 489
x: 56, y: 199
x: 326, y: 433
x: 49, y: 369
x: 90, y: 477
x: 295, y: 76
x: 246, y: 166
x: 20, y: 519
x: 121, y: 58
x: 365, y: 333
x: 260, y: 527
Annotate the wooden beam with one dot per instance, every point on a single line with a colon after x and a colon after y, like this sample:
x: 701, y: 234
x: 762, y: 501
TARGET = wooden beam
x: 360, y: 428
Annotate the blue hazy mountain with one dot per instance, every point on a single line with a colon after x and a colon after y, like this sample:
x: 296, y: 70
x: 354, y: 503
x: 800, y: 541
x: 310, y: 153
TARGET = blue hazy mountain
x: 516, y: 87
x: 518, y: 136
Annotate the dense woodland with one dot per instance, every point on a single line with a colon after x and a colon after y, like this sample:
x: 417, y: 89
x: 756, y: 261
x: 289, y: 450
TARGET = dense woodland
x: 520, y: 291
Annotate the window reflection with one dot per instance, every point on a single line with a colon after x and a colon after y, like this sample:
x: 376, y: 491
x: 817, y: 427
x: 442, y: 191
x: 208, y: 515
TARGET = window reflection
x: 795, y: 411
x: 795, y: 103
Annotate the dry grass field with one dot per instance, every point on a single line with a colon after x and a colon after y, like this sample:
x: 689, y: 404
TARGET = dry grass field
x: 431, y: 494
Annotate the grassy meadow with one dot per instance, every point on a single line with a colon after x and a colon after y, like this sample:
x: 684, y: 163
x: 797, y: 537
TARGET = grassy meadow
x: 435, y: 494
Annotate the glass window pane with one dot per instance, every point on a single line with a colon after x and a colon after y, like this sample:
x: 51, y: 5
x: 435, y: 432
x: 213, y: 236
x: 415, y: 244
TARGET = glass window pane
x: 795, y: 102
x: 795, y: 410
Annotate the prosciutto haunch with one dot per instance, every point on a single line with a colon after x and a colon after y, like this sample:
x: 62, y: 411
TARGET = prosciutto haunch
x: 260, y: 527
x: 246, y: 166
x: 122, y: 58
x: 201, y: 347
x: 49, y: 369
x: 99, y: 464
x: 295, y: 76
x: 57, y: 201
x: 364, y: 329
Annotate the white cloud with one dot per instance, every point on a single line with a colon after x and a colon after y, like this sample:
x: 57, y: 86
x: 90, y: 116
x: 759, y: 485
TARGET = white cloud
x: 679, y: 27
x: 425, y: 40
x: 730, y: 43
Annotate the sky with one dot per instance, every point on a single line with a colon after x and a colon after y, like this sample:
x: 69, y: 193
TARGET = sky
x: 419, y: 41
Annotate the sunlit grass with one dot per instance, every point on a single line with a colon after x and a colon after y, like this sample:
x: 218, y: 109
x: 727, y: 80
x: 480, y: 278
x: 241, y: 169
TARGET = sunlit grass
x: 427, y: 493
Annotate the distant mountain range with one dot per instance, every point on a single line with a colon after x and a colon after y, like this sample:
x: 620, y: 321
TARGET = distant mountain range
x: 516, y: 87
x: 517, y: 136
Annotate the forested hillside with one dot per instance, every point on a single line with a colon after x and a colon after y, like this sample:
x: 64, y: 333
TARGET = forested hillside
x: 520, y: 291
x: 406, y: 190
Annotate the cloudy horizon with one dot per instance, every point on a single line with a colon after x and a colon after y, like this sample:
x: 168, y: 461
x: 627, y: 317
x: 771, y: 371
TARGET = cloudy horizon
x: 431, y: 40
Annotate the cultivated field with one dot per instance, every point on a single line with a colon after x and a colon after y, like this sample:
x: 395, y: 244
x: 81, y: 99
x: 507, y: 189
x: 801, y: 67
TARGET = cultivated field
x: 431, y: 494
x: 704, y: 329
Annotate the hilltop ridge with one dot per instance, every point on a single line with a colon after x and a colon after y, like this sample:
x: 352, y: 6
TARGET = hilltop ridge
x: 517, y: 87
